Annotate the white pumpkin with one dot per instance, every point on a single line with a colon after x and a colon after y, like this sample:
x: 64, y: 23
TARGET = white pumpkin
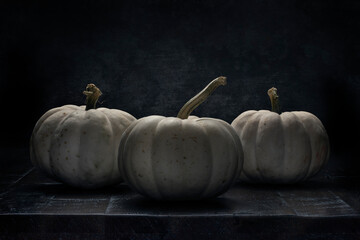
x: 281, y: 148
x: 173, y: 158
x: 80, y: 147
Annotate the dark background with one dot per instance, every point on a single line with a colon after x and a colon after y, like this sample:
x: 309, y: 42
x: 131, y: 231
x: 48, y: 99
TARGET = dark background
x: 150, y: 57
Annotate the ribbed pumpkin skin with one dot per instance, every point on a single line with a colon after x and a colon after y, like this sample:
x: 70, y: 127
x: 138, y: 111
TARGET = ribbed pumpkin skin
x: 175, y: 159
x: 281, y: 148
x: 79, y: 147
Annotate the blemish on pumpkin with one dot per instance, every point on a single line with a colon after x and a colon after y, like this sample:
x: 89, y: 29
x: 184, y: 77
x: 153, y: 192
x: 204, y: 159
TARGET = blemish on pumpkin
x: 194, y: 139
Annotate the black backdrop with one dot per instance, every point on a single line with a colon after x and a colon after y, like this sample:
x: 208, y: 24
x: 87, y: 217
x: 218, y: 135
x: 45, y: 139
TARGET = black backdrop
x: 150, y: 57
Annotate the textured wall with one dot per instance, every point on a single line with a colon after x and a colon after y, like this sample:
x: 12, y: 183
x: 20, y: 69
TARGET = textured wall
x: 150, y: 57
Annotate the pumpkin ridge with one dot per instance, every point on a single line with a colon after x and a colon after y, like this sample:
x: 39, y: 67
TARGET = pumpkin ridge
x: 286, y: 118
x: 283, y: 138
x: 78, y: 127
x: 80, y: 136
x: 208, y: 145
x: 159, y: 193
x: 247, y: 122
x: 225, y: 127
x: 33, y: 151
x: 112, y: 132
x: 135, y: 180
x: 304, y: 176
x: 237, y: 146
x: 257, y: 118
x: 265, y: 120
x: 114, y: 168
x: 52, y: 139
x: 127, y: 163
x: 122, y: 149
x: 316, y: 121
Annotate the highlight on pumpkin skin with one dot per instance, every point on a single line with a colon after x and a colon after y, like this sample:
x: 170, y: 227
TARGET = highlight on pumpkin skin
x: 274, y: 98
x: 92, y: 94
x: 199, y: 98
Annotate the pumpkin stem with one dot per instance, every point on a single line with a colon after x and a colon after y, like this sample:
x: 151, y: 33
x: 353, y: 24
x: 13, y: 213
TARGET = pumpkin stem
x: 274, y: 98
x: 92, y: 95
x: 199, y: 98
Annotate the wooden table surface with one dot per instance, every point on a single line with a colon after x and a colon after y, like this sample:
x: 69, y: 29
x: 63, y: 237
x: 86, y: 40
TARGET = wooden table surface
x: 35, y: 207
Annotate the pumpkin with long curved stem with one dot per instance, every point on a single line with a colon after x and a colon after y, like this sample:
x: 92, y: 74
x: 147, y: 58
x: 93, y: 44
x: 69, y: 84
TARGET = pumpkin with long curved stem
x: 78, y: 145
x: 279, y: 147
x: 181, y: 158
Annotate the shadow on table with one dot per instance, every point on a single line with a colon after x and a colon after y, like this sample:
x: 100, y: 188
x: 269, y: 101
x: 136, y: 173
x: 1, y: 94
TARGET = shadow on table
x: 314, y: 184
x: 216, y: 205
x: 63, y: 189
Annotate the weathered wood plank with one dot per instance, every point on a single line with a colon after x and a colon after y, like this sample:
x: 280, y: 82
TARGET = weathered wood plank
x: 317, y: 203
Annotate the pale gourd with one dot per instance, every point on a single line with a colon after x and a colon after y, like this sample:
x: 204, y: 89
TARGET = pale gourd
x: 281, y: 148
x: 78, y: 145
x: 181, y: 158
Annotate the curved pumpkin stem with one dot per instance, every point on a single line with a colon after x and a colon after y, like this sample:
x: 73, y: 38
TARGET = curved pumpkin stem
x: 274, y: 98
x: 199, y: 98
x: 92, y: 95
